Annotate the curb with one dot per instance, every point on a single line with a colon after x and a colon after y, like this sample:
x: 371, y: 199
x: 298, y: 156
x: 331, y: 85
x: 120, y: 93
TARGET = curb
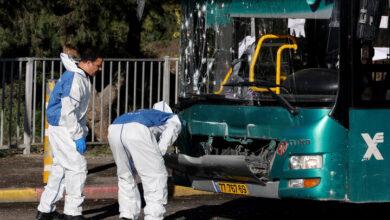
x: 18, y: 195
x: 177, y: 191
x: 90, y: 192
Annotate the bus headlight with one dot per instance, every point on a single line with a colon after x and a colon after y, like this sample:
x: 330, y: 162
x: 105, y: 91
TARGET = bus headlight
x: 305, y: 162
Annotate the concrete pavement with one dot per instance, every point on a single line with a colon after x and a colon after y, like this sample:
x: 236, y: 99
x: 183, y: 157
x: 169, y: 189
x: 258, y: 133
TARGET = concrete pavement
x: 21, y: 179
x: 90, y: 192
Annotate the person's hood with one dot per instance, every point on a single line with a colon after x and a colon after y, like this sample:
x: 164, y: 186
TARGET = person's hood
x: 70, y: 64
x: 162, y: 106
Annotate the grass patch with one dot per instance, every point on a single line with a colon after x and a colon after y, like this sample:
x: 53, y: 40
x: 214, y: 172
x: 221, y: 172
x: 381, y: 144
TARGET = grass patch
x: 97, y: 150
x: 94, y: 151
x: 15, y: 151
x: 9, y: 152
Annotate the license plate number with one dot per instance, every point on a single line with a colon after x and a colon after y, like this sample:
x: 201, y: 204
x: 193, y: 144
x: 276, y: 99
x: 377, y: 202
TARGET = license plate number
x: 234, y: 188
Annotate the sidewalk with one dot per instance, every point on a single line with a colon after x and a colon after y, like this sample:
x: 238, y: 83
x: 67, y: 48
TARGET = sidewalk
x: 21, y: 179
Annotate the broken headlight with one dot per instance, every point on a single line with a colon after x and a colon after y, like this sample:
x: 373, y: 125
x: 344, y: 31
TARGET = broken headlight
x: 305, y: 162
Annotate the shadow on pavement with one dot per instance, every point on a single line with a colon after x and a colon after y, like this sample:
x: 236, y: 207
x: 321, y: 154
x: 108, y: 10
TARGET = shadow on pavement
x: 101, y: 168
x: 256, y: 208
x: 253, y: 208
x: 109, y: 210
x: 104, y: 212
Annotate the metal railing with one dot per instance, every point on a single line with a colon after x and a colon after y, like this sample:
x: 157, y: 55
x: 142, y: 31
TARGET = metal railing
x: 123, y: 85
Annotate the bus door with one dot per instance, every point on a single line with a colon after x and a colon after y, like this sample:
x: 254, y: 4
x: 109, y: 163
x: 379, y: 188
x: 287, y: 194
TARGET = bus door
x: 369, y: 136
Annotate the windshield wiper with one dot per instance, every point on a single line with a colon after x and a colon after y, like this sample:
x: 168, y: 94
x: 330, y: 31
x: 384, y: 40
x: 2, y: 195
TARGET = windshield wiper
x: 267, y: 85
x: 261, y: 84
x: 195, y: 99
x: 188, y: 102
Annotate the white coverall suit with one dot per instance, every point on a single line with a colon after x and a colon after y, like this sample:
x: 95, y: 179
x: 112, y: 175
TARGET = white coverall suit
x: 138, y: 140
x: 66, y: 115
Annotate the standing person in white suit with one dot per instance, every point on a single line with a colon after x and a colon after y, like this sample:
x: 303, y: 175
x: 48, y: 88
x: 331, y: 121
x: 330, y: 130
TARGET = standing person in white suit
x: 138, y: 141
x: 66, y: 115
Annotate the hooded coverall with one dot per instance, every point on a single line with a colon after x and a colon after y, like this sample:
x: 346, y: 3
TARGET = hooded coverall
x: 138, y: 141
x: 66, y: 115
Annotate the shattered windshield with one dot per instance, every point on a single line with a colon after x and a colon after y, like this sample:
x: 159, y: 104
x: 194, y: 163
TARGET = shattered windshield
x: 292, y: 45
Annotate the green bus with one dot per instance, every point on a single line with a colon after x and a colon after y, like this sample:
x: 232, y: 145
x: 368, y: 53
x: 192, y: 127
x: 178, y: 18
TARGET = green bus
x: 285, y: 99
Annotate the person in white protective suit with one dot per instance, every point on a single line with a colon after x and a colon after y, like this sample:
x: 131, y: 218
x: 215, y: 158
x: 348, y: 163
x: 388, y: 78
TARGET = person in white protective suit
x: 66, y: 115
x: 138, y: 141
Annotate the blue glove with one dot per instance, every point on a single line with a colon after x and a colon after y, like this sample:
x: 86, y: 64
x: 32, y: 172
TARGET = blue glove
x: 80, y: 145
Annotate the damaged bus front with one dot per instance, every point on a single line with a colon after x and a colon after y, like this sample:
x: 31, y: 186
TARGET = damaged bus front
x: 263, y: 97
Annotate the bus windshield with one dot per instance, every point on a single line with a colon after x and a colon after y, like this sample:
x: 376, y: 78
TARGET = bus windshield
x: 289, y: 48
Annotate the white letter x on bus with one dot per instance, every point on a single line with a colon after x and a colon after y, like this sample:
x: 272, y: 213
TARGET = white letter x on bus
x: 372, y: 146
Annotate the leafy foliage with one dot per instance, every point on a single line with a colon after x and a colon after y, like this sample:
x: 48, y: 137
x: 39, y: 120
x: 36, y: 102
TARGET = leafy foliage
x: 42, y: 28
x: 161, y: 23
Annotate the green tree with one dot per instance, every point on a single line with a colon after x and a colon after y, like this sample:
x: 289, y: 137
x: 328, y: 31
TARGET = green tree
x: 42, y: 28
x: 161, y: 21
x: 160, y: 29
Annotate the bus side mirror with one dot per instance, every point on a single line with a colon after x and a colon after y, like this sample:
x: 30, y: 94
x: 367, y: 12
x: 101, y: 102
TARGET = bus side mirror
x: 369, y: 19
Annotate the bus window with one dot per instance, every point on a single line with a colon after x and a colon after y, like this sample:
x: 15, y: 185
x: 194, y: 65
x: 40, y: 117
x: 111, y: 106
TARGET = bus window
x: 375, y: 57
x: 220, y: 41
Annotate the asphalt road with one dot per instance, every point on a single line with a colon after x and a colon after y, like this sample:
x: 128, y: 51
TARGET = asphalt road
x: 217, y: 206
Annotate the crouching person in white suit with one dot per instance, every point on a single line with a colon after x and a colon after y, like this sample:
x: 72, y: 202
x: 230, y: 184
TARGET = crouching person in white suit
x: 138, y: 141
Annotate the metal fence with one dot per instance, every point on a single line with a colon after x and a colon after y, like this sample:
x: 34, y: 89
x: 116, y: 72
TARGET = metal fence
x: 123, y: 85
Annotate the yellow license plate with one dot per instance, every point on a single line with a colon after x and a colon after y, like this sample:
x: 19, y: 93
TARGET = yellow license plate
x: 234, y: 188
